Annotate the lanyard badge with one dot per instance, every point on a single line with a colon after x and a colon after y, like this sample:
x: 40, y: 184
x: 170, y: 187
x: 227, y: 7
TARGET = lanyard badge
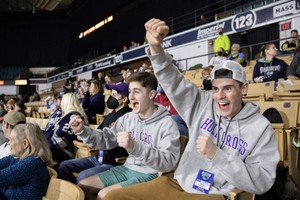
x: 100, y: 156
x: 203, y: 181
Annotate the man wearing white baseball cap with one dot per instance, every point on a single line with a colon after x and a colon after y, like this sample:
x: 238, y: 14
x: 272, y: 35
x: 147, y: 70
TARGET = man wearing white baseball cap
x: 231, y: 145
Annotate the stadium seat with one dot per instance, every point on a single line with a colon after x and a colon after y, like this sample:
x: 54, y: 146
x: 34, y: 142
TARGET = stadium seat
x: 59, y: 189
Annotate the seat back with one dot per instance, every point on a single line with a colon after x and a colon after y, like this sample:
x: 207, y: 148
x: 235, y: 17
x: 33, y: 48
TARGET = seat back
x: 287, y: 109
x: 59, y: 189
x: 81, y: 150
x: 52, y: 172
x: 93, y: 126
x: 260, y: 91
x: 198, y: 82
x: 99, y: 118
x: 237, y: 194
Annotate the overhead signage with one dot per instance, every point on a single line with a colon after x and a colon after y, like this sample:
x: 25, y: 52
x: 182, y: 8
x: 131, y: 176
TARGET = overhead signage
x: 258, y: 17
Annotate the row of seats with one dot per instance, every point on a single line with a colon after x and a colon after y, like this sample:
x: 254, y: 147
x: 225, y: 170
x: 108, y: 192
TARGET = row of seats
x: 195, y: 76
x: 41, y: 122
x: 59, y: 189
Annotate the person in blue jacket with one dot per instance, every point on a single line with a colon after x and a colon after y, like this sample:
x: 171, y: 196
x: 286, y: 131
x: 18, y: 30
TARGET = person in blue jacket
x: 93, y: 101
x: 60, y: 139
x: 269, y: 68
x: 24, y: 174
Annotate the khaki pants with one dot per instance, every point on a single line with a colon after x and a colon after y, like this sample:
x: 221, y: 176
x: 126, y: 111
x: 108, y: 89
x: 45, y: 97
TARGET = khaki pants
x: 160, y: 188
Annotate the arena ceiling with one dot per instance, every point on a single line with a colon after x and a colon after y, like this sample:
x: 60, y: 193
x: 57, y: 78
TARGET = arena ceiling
x: 8, y: 6
x: 34, y: 6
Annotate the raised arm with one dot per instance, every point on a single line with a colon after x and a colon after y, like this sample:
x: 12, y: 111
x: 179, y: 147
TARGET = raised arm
x: 156, y: 31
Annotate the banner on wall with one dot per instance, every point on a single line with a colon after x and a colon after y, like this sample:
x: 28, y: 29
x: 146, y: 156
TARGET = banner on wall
x: 272, y: 13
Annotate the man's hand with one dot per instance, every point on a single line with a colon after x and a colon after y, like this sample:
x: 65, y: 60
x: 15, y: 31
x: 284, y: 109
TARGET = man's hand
x: 259, y: 79
x: 84, y: 86
x: 292, y: 77
x: 76, y: 123
x: 125, y: 140
x: 156, y: 31
x: 206, y: 147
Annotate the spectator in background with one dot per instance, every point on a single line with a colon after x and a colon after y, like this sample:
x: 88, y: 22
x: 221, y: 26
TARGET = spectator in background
x: 218, y: 59
x: 293, y: 43
x: 269, y: 68
x: 236, y: 55
x: 55, y: 114
x: 162, y: 99
x: 3, y: 111
x: 50, y: 101
x: 202, y: 20
x: 129, y: 72
x: 124, y: 75
x: 101, y: 79
x: 20, y: 97
x: 69, y: 86
x: 118, y: 101
x: 108, y: 80
x: 20, y: 107
x: 24, y: 174
x: 36, y: 96
x: 93, y: 101
x: 293, y: 71
x: 143, y: 67
x: 222, y: 41
x: 2, y: 97
x: 10, y: 120
x: 10, y: 105
x: 26, y: 98
x: 75, y: 85
x: 207, y: 85
x: 60, y: 139
x: 80, y: 94
x: 83, y: 87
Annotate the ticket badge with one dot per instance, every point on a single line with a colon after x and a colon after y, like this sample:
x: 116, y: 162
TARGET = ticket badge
x: 203, y: 181
x: 100, y: 156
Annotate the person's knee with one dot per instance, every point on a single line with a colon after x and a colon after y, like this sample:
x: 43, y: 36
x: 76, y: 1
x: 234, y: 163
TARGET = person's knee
x: 111, y: 195
x: 64, y: 166
x: 84, y: 182
x: 102, y: 193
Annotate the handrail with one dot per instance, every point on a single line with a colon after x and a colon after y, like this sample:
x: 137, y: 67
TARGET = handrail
x: 242, y: 47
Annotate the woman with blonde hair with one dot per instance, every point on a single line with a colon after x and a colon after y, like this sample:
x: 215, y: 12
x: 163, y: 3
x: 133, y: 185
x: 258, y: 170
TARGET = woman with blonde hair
x: 93, y: 101
x: 24, y: 174
x: 10, y: 105
x: 61, y: 138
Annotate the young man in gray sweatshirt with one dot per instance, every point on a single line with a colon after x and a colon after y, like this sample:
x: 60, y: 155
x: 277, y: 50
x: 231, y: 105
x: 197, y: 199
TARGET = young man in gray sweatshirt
x: 230, y: 144
x: 148, y: 133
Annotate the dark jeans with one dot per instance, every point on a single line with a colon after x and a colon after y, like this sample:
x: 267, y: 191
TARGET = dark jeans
x: 86, y: 167
x: 183, y: 130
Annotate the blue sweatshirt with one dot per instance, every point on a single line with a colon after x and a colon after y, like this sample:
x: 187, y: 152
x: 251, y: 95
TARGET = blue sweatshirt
x: 93, y: 105
x: 272, y: 71
x: 21, y: 179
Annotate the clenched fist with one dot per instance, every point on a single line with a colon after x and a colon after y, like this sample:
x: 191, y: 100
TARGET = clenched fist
x: 205, y: 146
x: 125, y: 140
x: 156, y: 31
x: 76, y: 123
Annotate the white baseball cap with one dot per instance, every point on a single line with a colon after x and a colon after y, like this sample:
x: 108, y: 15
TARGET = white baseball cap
x: 238, y: 72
